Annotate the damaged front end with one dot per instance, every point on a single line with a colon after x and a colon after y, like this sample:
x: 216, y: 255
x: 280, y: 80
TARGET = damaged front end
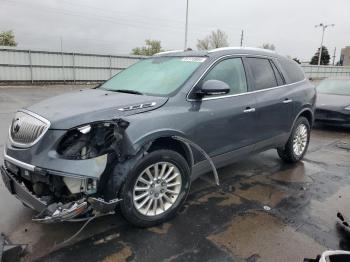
x: 85, y: 157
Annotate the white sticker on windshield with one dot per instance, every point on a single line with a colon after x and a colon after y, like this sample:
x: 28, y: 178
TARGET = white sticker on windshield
x: 193, y: 59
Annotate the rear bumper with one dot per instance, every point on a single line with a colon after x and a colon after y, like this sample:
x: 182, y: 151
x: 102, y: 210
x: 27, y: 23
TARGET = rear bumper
x: 21, y: 192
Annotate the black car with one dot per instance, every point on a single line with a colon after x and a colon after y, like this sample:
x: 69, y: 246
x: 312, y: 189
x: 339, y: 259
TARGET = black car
x: 333, y: 102
x: 140, y: 138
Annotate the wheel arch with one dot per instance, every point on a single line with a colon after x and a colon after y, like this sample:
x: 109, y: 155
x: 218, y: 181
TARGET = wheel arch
x: 163, y: 139
x: 308, y: 114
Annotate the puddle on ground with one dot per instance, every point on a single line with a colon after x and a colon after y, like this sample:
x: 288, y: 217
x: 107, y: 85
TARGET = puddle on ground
x: 44, y: 238
x: 326, y: 211
x: 300, y: 172
x: 338, y: 158
x: 230, y: 200
x: 161, y: 229
x: 120, y: 256
x: 224, y: 199
x: 264, y: 194
x: 261, y: 234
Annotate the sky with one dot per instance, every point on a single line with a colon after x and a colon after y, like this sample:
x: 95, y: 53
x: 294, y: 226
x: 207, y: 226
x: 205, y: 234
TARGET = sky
x: 116, y: 27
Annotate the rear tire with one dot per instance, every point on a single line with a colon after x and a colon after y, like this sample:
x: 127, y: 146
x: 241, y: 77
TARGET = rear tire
x: 298, y: 142
x: 155, y: 188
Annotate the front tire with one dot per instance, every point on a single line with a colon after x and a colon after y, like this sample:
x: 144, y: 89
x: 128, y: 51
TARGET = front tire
x: 155, y: 188
x: 298, y: 142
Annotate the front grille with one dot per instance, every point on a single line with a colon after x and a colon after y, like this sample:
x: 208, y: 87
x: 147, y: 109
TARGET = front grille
x: 27, y: 128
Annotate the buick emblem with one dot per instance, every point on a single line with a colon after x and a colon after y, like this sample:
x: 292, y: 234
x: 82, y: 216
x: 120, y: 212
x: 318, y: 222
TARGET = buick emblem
x: 16, y: 125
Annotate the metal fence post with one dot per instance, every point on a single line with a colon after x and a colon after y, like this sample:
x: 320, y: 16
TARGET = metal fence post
x: 110, y: 66
x: 31, y: 66
x: 64, y: 79
x: 74, y: 76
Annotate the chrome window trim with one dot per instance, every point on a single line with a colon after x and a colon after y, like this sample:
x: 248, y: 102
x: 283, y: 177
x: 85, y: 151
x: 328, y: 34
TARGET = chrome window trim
x: 233, y: 95
x: 21, y: 145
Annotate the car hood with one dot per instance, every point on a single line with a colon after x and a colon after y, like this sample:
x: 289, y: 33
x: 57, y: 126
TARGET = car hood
x: 332, y: 101
x: 89, y: 105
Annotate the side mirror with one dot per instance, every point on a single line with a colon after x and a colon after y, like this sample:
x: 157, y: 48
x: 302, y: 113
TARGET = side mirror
x: 213, y: 87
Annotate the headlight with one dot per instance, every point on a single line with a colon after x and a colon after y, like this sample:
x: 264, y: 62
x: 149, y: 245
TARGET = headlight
x: 347, y: 108
x: 89, y: 141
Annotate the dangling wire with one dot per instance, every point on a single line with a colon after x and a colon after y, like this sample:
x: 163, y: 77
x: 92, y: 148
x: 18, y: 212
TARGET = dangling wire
x: 82, y: 228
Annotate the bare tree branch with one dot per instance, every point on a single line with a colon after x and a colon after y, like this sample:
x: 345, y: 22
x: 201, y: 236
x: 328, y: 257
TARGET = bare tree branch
x: 216, y: 39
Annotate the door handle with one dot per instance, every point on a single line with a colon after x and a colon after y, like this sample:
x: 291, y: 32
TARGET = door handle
x: 286, y: 101
x: 249, y: 110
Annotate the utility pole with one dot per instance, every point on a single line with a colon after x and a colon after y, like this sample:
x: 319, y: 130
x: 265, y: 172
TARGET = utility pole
x: 335, y: 50
x: 324, y: 27
x: 242, y: 37
x: 186, y: 26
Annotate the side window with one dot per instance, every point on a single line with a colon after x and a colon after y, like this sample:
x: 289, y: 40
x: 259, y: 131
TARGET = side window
x: 277, y: 74
x: 292, y: 69
x: 230, y: 71
x: 263, y: 75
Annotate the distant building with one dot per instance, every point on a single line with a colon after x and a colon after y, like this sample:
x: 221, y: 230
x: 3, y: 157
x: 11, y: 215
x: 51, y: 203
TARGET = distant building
x: 345, y: 56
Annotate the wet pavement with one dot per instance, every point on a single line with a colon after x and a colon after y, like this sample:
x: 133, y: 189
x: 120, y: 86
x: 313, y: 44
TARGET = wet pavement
x: 264, y: 210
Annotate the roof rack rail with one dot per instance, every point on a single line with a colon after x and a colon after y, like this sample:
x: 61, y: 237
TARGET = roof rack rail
x: 241, y: 48
x: 168, y: 52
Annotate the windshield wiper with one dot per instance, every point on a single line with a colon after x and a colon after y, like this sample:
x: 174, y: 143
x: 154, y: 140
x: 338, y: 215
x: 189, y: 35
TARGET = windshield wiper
x: 127, y: 91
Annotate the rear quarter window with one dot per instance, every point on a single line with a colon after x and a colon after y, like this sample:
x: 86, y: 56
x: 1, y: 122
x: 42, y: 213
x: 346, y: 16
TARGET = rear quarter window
x: 292, y: 70
x: 262, y: 73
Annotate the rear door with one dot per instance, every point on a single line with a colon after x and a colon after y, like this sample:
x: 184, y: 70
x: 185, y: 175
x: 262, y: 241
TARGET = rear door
x: 274, y: 106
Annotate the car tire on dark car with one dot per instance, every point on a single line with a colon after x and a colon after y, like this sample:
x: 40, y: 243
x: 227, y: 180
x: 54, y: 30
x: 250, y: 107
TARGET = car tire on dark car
x: 298, y: 142
x: 155, y: 189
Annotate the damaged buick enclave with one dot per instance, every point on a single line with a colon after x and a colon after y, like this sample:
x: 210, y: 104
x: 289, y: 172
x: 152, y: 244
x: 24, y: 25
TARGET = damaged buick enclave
x: 139, y: 139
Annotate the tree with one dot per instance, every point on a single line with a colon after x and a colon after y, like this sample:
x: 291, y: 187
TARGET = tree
x: 216, y: 39
x: 203, y: 44
x: 7, y: 38
x: 297, y: 60
x: 152, y: 47
x: 325, y: 57
x: 268, y: 46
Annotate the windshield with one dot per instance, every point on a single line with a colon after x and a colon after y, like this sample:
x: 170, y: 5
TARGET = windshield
x: 335, y: 87
x: 158, y: 76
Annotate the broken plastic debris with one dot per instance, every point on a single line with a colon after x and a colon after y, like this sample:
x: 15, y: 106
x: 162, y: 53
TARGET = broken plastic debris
x: 58, y: 212
x: 267, y: 208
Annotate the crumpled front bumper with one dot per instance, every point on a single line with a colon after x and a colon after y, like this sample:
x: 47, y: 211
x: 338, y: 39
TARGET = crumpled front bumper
x: 85, y: 206
x: 21, y: 192
x: 56, y: 212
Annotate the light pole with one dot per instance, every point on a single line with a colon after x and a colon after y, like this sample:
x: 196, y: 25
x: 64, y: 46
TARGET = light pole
x: 186, y: 26
x: 324, y: 27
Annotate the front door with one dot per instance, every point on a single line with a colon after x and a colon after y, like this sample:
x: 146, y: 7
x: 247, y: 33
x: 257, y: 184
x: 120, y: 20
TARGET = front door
x: 226, y: 122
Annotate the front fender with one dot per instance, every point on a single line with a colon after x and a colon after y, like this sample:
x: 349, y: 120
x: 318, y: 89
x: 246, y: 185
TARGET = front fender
x: 159, y: 133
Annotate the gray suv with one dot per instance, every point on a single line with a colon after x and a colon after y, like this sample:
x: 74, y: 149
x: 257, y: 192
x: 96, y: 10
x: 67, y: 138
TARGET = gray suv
x: 139, y: 139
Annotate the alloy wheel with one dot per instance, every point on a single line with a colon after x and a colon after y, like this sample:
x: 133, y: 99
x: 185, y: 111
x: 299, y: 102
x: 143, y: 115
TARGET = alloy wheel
x: 157, y: 188
x: 300, y: 140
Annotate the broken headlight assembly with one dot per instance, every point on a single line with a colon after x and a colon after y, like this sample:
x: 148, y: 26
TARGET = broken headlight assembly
x: 89, y: 141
